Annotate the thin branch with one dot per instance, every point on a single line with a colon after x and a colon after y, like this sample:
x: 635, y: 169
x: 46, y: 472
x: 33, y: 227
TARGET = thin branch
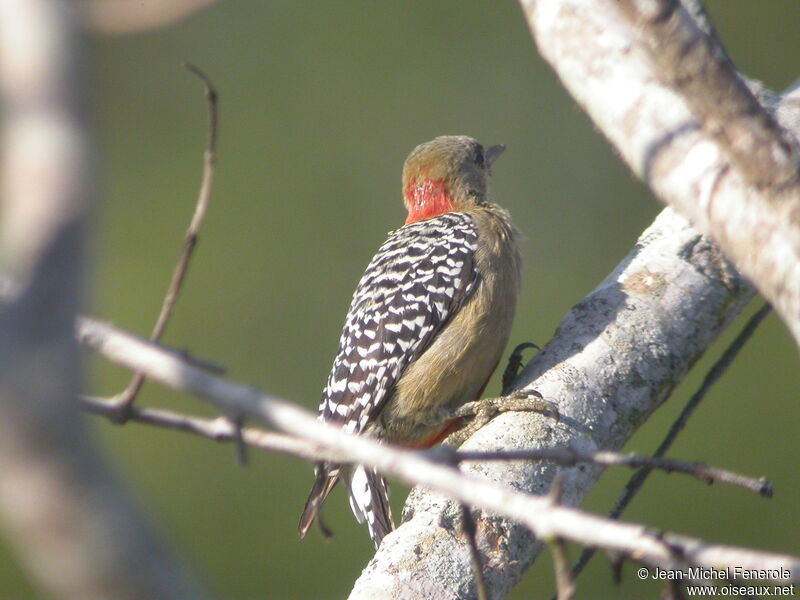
x: 638, y: 479
x: 672, y: 590
x: 219, y: 429
x: 605, y: 458
x: 223, y: 429
x: 543, y: 519
x: 513, y: 366
x: 565, y: 587
x: 471, y: 534
x: 200, y: 210
x: 124, y: 401
x: 242, y: 456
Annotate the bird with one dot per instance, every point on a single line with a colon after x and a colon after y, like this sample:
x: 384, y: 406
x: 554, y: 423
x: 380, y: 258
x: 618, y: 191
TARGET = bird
x: 427, y: 324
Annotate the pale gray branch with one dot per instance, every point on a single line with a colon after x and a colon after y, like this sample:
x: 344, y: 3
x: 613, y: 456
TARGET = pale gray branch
x: 691, y: 63
x: 683, y: 120
x: 537, y: 513
x: 220, y: 429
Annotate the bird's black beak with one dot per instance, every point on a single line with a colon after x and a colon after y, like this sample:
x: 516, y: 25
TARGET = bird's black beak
x: 491, y: 154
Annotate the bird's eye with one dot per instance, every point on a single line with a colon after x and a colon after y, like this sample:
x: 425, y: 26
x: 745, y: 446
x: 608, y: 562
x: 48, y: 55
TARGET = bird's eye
x: 479, y: 157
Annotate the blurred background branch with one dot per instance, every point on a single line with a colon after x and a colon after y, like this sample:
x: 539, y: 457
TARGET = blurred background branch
x: 121, y: 17
x: 70, y: 521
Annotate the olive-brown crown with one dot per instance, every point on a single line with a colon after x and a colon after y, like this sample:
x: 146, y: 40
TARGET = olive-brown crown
x: 459, y: 163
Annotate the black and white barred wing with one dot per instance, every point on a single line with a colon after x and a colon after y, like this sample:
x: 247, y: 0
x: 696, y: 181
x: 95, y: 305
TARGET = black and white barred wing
x: 418, y: 280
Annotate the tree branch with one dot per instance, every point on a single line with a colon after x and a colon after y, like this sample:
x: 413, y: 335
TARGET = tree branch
x: 221, y: 429
x: 570, y: 457
x: 124, y: 400
x: 690, y: 62
x: 537, y: 513
x: 695, y: 135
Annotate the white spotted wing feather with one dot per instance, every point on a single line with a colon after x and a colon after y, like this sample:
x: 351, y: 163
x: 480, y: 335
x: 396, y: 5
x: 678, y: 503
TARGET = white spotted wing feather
x: 416, y: 282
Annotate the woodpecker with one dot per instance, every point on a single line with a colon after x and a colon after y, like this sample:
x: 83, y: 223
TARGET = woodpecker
x: 428, y: 321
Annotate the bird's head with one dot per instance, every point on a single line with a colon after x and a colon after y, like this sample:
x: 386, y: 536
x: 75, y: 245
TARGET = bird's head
x: 449, y: 173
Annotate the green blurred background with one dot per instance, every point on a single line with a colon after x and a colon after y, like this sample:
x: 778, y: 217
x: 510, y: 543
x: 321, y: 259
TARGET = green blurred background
x: 320, y: 103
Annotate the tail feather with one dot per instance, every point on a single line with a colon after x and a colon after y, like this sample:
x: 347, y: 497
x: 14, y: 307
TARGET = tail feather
x: 369, y: 500
x: 326, y: 478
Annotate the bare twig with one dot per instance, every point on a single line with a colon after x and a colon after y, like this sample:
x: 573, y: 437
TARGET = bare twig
x: 471, y: 534
x: 513, y: 366
x: 606, y: 458
x: 673, y: 591
x: 242, y: 457
x: 544, y: 519
x: 637, y: 480
x: 220, y: 429
x: 124, y: 400
x: 565, y: 586
x: 224, y: 429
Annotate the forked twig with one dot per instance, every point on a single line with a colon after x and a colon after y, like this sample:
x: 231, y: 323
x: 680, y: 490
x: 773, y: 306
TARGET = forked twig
x: 123, y: 401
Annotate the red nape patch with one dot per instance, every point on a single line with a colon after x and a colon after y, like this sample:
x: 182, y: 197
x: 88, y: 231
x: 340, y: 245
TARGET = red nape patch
x: 426, y: 200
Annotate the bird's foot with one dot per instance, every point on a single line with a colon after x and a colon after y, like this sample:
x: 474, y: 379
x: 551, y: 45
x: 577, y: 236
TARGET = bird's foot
x: 483, y: 411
